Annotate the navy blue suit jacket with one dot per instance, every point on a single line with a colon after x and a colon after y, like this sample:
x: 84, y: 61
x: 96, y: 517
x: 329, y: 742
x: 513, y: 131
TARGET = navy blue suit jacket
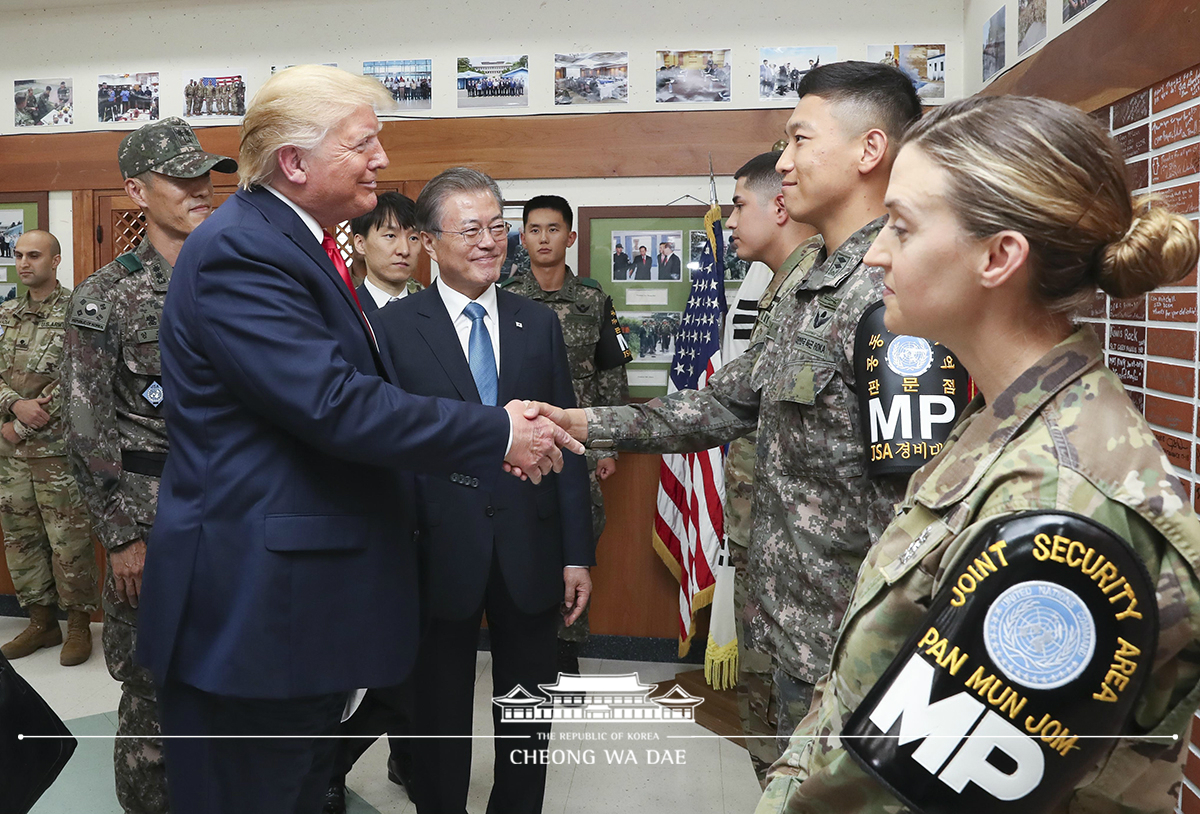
x: 281, y: 563
x: 535, y: 529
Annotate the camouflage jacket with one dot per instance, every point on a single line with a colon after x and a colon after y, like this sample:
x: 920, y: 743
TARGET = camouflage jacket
x: 815, y: 511
x: 112, y: 379
x: 583, y: 309
x: 31, y: 355
x: 1064, y: 436
x: 739, y: 462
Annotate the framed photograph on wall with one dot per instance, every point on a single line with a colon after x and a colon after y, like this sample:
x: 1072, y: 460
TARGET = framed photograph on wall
x: 649, y: 301
x: 19, y: 213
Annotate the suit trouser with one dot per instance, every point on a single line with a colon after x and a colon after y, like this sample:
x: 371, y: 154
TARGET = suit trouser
x: 386, y: 709
x: 524, y: 652
x: 264, y: 775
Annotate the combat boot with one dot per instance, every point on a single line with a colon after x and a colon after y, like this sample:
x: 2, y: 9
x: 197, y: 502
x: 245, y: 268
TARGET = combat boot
x: 78, y: 647
x: 43, y: 631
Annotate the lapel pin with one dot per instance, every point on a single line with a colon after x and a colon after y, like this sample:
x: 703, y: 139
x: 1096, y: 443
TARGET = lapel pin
x: 519, y: 325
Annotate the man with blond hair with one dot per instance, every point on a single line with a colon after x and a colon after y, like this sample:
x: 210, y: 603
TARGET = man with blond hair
x: 286, y: 511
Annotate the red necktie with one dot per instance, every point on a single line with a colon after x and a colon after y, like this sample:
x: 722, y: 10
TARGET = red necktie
x: 335, y: 256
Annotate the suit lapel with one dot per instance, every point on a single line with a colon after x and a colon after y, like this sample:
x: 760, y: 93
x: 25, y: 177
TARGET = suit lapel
x: 512, y: 345
x: 288, y: 222
x: 436, y: 328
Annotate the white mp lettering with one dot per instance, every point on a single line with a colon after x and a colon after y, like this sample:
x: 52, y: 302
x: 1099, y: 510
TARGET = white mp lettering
x: 930, y: 410
x: 944, y: 724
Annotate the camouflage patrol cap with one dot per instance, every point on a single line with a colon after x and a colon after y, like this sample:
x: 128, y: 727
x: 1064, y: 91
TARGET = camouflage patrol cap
x: 168, y: 146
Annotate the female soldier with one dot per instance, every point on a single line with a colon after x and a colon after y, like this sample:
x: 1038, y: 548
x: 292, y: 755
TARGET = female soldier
x: 975, y: 618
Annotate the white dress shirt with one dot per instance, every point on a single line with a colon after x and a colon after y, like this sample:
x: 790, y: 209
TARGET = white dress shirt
x: 456, y: 301
x: 317, y: 232
x: 380, y: 296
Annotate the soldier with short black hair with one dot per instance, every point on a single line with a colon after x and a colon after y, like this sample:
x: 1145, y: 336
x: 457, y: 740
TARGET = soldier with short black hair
x: 116, y: 431
x: 596, y: 351
x: 46, y: 539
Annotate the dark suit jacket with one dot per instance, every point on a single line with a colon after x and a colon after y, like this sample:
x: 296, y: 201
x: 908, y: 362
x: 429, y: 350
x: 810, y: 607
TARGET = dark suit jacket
x: 285, y: 526
x: 536, y: 529
x: 641, y: 267
x: 673, y: 270
x: 366, y: 300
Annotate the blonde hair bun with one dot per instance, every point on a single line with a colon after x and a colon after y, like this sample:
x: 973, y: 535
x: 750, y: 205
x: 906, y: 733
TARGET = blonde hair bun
x: 1159, y: 248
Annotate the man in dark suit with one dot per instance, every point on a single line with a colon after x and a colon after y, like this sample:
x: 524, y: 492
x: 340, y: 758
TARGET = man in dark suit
x: 286, y: 508
x: 642, y: 265
x: 388, y: 243
x: 672, y: 267
x: 514, y: 550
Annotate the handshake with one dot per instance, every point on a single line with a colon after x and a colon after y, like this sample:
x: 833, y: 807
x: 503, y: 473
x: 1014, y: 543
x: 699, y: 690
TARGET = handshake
x: 540, y: 433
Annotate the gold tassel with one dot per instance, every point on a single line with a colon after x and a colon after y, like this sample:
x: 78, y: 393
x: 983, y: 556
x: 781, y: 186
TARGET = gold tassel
x: 721, y: 665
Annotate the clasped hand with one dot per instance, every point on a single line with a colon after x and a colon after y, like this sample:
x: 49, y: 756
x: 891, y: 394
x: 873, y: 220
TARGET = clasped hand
x: 538, y: 441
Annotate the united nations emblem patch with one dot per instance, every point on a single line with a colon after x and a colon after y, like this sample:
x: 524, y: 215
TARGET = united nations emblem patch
x: 1039, y: 634
x: 154, y: 394
x: 909, y: 356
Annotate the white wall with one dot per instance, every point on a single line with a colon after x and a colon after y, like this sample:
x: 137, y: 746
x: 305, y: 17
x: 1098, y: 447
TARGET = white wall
x: 179, y: 38
x: 976, y: 14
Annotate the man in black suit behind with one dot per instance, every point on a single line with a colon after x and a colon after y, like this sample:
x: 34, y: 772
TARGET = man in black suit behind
x: 516, y: 550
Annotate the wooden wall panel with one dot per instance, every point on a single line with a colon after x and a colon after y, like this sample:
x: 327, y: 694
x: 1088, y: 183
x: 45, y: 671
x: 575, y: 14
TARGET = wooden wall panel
x: 608, y: 145
x: 635, y: 593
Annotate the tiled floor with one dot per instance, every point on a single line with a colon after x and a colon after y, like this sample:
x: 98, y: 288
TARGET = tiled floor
x: 706, y: 775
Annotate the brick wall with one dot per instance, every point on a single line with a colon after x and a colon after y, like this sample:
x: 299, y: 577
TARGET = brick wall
x: 1152, y: 341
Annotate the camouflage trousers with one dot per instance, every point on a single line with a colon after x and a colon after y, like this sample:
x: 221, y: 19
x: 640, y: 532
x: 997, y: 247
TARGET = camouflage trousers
x: 771, y: 703
x: 141, y: 776
x: 579, y: 631
x: 47, y: 534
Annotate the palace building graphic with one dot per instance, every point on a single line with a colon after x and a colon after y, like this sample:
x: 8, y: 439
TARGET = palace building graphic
x: 597, y: 698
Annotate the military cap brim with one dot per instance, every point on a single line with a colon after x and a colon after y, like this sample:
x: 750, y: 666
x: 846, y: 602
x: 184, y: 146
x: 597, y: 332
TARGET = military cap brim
x: 193, y: 165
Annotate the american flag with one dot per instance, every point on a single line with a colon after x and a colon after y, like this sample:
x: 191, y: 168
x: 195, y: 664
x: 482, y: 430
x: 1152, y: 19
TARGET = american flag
x: 689, y: 523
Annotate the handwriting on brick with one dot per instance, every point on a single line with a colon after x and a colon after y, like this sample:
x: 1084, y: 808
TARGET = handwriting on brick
x: 1178, y: 126
x: 1127, y: 339
x: 1176, y: 164
x: 1129, y: 370
x: 1179, y: 88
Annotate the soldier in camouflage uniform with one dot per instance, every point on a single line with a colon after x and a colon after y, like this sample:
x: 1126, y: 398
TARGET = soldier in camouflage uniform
x: 1061, y: 436
x: 763, y: 232
x: 116, y: 435
x: 815, y: 511
x: 24, y: 117
x: 46, y: 530
x: 596, y: 350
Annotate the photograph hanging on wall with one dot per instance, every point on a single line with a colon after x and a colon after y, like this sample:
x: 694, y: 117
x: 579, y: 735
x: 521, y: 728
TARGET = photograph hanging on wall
x: 1073, y: 7
x: 994, y: 44
x: 651, y: 335
x: 925, y: 65
x: 12, y: 226
x: 409, y: 80
x: 127, y: 97
x: 692, y: 76
x: 642, y: 256
x: 497, y: 81
x: 49, y: 102
x: 1031, y: 24
x: 215, y: 94
x: 597, y: 78
x: 735, y: 267
x: 781, y: 69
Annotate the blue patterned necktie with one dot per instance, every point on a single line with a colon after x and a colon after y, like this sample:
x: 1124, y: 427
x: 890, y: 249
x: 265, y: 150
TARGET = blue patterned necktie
x: 480, y: 355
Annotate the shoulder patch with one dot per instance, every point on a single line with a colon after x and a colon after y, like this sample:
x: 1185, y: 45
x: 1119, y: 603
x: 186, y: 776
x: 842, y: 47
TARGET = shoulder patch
x: 509, y: 282
x: 590, y: 283
x: 1037, y: 645
x: 88, y: 312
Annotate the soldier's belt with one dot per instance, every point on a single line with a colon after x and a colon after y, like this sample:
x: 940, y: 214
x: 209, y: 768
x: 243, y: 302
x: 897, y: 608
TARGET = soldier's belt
x: 144, y: 463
